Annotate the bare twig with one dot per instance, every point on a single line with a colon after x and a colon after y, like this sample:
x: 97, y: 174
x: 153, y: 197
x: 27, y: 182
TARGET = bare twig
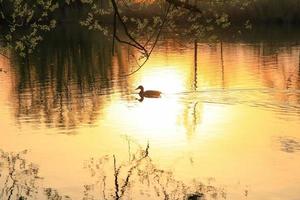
x: 136, y: 43
x: 125, y: 42
x: 130, y: 171
x: 2, y: 54
x: 104, y: 187
x: 116, y: 174
x: 154, y: 44
x: 115, y: 30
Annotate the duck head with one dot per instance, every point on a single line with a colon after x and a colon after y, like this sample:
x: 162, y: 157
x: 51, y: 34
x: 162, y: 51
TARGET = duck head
x: 141, y: 88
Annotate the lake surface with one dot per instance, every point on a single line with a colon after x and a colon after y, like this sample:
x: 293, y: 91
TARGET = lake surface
x: 229, y: 118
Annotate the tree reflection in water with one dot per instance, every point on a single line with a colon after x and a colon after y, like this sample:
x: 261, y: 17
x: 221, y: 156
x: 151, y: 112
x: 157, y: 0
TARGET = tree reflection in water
x: 20, y: 180
x: 63, y: 83
x: 289, y: 144
x: 140, y: 178
x: 52, y: 194
x: 137, y: 178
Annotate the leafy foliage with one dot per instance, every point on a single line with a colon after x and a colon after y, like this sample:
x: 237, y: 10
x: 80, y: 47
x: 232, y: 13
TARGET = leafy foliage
x: 24, y: 22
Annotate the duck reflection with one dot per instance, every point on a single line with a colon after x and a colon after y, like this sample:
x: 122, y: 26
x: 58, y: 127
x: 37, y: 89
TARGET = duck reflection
x: 141, y: 99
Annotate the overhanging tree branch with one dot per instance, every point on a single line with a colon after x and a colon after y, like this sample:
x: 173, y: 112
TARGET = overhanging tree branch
x: 154, y: 44
x: 135, y: 43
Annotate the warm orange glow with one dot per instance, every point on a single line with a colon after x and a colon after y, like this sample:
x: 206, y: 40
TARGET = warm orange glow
x: 220, y: 119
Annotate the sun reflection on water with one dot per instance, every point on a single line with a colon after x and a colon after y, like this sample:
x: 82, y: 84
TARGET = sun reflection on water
x: 202, y: 122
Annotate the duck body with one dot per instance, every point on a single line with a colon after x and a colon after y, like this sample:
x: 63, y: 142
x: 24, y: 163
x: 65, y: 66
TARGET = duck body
x: 148, y: 93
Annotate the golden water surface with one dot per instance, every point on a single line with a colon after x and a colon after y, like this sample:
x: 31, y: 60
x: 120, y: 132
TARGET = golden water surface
x: 228, y: 117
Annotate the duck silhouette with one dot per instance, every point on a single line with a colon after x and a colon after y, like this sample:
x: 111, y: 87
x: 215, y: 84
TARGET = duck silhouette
x: 148, y: 93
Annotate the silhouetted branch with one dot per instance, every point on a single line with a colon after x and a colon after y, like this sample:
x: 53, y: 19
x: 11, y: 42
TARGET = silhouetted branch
x: 21, y: 177
x: 11, y: 175
x: 142, y: 173
x: 128, y: 43
x: 114, y: 33
x: 135, y: 43
x: 130, y: 171
x: 154, y: 44
x: 2, y: 54
x: 116, y: 174
x: 104, y: 187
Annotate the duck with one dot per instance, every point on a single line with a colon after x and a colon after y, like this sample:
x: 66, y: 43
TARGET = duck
x: 148, y: 93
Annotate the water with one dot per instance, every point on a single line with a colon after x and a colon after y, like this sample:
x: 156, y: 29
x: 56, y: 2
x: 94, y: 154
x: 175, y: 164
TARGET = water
x: 229, y: 121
